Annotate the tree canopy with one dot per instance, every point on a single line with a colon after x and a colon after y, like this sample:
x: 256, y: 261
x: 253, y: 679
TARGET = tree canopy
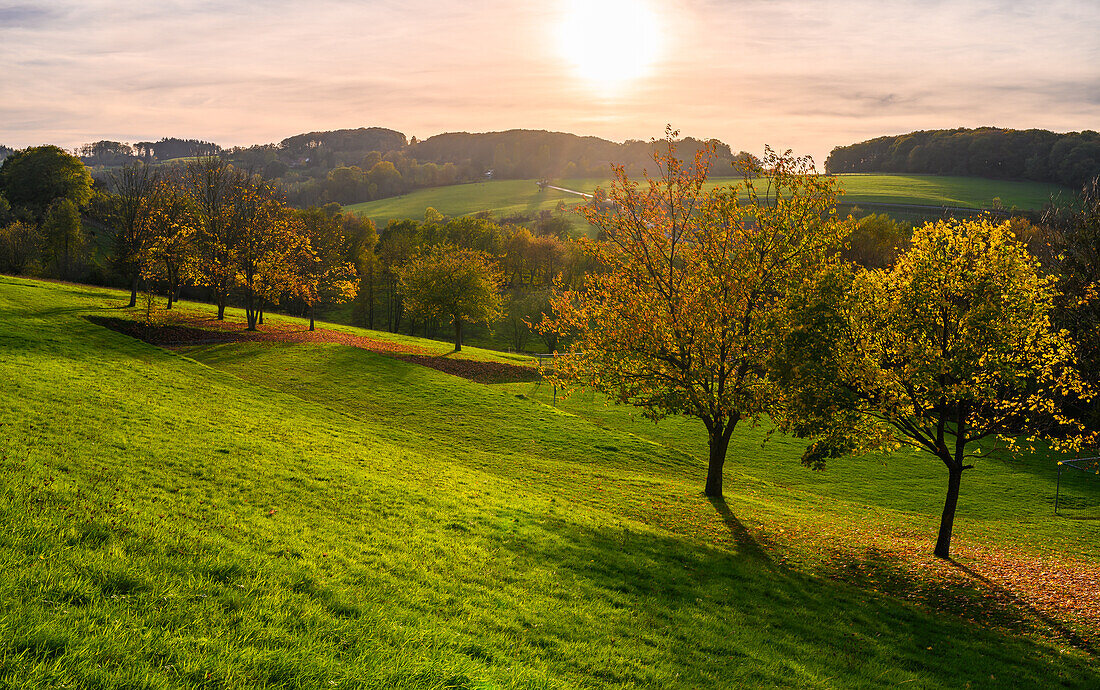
x: 447, y: 282
x: 34, y: 177
x: 691, y: 290
x: 951, y: 351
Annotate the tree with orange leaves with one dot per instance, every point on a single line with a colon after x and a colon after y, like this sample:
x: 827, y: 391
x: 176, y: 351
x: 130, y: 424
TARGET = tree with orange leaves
x: 693, y: 289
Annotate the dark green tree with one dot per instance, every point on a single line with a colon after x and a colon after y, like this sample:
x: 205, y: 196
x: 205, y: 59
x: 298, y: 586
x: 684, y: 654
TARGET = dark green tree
x: 63, y: 235
x: 32, y: 178
x: 461, y: 285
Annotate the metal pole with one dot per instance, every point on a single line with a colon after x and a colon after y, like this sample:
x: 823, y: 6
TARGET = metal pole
x: 1058, y: 487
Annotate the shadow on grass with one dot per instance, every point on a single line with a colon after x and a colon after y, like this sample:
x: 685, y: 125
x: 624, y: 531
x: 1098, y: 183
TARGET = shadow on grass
x: 725, y: 619
x: 741, y: 536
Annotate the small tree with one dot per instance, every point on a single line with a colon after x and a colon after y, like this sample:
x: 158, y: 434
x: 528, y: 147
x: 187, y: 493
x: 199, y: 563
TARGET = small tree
x: 462, y: 285
x: 323, y: 272
x: 19, y: 248
x: 692, y: 289
x: 951, y: 347
x: 64, y: 235
x: 171, y: 252
x: 213, y: 186
x: 264, y: 239
x: 133, y: 226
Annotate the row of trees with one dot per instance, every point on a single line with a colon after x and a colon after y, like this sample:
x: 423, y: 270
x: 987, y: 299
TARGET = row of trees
x: 736, y: 306
x: 1071, y: 159
x: 210, y: 226
x: 218, y: 227
x: 206, y: 224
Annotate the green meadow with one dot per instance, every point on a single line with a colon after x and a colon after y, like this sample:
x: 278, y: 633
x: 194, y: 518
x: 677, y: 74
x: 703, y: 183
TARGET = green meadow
x: 508, y: 197
x: 262, y: 515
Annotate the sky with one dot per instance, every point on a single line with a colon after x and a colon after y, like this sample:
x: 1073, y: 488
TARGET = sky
x: 805, y: 76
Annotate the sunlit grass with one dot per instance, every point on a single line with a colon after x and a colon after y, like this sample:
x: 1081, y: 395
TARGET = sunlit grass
x: 267, y: 515
x: 507, y: 197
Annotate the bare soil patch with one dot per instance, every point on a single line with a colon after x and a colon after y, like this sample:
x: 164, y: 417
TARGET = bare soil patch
x: 187, y: 330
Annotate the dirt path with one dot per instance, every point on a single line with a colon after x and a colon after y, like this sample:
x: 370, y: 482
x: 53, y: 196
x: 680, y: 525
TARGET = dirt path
x: 188, y: 330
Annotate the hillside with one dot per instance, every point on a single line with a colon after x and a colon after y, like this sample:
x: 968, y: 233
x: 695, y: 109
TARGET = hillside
x: 508, y: 197
x: 258, y: 514
x: 1071, y: 158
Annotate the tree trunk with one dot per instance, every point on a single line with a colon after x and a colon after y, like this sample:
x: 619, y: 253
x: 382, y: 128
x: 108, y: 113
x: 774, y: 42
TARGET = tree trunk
x: 947, y: 520
x: 221, y: 310
x: 311, y: 317
x: 133, y: 290
x: 458, y: 335
x: 260, y: 320
x: 719, y: 441
x: 370, y: 299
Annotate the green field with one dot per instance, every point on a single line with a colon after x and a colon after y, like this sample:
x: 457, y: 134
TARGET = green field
x: 505, y: 197
x: 313, y: 516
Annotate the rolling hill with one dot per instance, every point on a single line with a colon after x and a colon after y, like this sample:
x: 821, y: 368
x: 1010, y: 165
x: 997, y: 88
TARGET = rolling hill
x: 270, y: 514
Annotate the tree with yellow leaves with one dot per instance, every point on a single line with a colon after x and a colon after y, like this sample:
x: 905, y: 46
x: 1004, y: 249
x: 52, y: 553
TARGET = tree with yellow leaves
x: 692, y: 289
x: 950, y: 351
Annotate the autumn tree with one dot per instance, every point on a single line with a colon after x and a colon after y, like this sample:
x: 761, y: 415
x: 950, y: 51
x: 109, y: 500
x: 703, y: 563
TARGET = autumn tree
x: 133, y: 226
x: 446, y: 282
x: 323, y: 272
x: 171, y: 253
x: 951, y: 351
x: 212, y: 186
x: 691, y: 290
x: 261, y: 252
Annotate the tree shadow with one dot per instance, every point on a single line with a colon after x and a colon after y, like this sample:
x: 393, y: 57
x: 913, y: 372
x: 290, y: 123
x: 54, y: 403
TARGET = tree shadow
x: 971, y: 596
x: 745, y: 542
x: 1064, y: 631
x: 759, y: 611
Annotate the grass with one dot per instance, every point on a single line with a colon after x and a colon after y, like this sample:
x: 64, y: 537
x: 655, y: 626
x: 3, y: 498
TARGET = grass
x: 506, y: 197
x: 270, y: 515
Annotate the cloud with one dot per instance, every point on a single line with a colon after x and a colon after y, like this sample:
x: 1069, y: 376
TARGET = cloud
x: 805, y: 75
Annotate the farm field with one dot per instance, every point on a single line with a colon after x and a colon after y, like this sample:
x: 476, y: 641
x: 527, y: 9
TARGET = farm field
x: 311, y: 514
x: 506, y: 197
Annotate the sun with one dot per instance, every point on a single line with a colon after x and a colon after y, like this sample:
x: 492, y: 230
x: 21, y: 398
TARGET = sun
x: 611, y: 43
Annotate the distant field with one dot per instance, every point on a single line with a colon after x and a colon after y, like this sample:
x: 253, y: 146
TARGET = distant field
x: 505, y: 197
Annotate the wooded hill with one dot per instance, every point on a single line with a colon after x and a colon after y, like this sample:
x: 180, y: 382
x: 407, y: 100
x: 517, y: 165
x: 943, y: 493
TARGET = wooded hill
x: 356, y: 165
x: 1070, y: 159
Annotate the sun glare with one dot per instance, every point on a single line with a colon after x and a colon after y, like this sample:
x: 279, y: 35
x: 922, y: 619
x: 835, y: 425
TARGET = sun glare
x: 611, y: 43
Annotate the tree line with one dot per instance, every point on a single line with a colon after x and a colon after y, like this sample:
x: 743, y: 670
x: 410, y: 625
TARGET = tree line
x: 1071, y: 159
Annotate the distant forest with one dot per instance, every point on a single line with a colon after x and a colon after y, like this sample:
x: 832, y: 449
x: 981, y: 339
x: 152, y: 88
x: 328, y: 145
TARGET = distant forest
x: 1071, y: 159
x: 352, y: 165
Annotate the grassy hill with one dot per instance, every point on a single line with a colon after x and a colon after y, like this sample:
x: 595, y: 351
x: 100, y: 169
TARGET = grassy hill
x: 316, y: 515
x: 505, y: 197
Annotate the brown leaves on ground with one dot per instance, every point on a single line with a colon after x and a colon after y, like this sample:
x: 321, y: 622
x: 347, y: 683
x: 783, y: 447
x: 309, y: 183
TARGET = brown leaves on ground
x: 1056, y: 597
x: 188, y: 330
